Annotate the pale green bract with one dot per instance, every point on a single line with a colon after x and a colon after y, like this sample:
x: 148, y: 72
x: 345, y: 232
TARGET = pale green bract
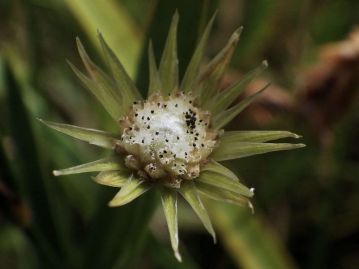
x: 136, y: 167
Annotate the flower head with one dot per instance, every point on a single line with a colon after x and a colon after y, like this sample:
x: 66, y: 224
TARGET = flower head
x: 174, y: 138
x: 168, y: 138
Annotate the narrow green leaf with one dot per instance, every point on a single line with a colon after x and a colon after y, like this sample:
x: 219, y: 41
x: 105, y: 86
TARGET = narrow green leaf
x: 226, y: 116
x: 102, y: 86
x: 105, y: 15
x: 124, y: 83
x: 112, y: 178
x: 168, y: 70
x: 45, y: 222
x: 92, y: 136
x: 255, y: 136
x: 228, y: 151
x: 154, y: 78
x: 215, y: 167
x: 105, y: 164
x: 221, y: 195
x: 212, y: 75
x: 132, y: 189
x: 226, y: 97
x: 248, y: 239
x: 221, y: 182
x: 169, y: 204
x: 189, y: 193
x: 192, y: 70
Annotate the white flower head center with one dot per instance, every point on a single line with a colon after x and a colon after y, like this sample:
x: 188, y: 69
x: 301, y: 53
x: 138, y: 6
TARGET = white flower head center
x: 168, y: 136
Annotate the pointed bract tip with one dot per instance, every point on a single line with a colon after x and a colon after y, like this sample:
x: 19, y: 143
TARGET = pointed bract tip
x: 263, y: 89
x: 175, y: 17
x: 239, y: 30
x: 94, y: 178
x: 111, y: 204
x: 301, y: 145
x: 115, y: 204
x: 69, y: 63
x: 250, y: 205
x: 214, y: 16
x: 101, y: 38
x: 43, y: 122
x: 252, y: 190
x: 267, y: 85
x: 176, y: 14
x: 178, y: 256
x: 214, y: 239
x: 150, y: 45
x: 236, y: 35
x: 80, y: 47
x: 56, y: 173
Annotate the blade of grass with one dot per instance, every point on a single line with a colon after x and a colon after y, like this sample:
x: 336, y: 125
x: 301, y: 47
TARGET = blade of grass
x: 31, y: 183
x: 126, y: 40
x: 117, y: 235
x: 250, y: 244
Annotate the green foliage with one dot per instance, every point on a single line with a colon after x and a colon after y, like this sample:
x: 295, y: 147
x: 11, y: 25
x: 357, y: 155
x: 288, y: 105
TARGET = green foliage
x: 309, y: 197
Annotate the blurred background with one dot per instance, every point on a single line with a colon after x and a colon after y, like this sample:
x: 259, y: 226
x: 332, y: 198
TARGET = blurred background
x: 306, y: 201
